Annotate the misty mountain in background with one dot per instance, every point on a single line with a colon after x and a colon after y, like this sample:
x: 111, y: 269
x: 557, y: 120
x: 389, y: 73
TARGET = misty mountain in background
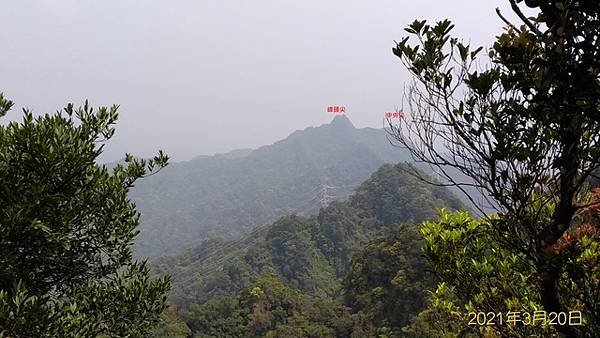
x: 227, y: 194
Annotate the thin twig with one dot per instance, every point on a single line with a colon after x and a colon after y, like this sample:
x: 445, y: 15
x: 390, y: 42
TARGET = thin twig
x: 508, y: 23
x: 517, y: 10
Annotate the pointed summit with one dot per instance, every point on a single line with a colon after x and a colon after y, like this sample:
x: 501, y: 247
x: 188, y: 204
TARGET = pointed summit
x: 341, y: 121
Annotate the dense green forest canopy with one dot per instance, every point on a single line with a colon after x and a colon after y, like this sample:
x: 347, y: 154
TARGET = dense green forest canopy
x: 337, y: 257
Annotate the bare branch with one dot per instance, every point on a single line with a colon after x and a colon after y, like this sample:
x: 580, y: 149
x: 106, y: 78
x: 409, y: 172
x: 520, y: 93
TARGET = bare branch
x: 508, y: 23
x: 517, y: 10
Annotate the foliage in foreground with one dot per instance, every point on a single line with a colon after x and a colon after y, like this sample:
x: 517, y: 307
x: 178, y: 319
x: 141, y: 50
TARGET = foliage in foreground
x: 482, y: 275
x: 524, y: 130
x: 66, y: 228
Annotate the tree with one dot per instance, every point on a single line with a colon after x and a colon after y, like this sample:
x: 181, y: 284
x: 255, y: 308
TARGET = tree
x: 388, y: 278
x: 66, y: 229
x: 171, y: 325
x: 524, y: 129
x: 480, y: 275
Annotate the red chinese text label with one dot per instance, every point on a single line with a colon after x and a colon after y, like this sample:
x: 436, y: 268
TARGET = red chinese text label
x: 394, y: 115
x: 336, y: 109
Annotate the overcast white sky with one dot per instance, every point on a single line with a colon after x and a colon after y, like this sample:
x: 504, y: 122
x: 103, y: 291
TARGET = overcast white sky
x: 197, y: 77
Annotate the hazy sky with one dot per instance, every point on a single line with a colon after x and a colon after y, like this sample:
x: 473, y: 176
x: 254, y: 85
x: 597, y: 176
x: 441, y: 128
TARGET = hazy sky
x: 197, y: 77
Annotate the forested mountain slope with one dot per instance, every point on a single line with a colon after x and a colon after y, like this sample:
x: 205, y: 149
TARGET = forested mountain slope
x: 311, y: 253
x: 228, y: 194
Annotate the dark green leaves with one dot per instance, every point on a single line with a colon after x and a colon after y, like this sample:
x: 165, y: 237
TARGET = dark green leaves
x: 417, y: 27
x: 5, y: 105
x: 482, y: 83
x: 463, y: 50
x: 430, y: 58
x: 66, y: 228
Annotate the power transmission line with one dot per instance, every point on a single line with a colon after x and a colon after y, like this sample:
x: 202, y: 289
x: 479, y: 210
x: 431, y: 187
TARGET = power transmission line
x: 229, y: 247
x: 226, y: 252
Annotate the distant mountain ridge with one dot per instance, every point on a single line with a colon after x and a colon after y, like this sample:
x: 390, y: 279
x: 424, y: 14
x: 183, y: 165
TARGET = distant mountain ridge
x: 227, y: 194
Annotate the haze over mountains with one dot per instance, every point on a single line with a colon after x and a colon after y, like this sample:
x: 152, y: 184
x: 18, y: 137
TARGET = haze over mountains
x: 226, y: 194
x: 310, y: 252
x: 359, y: 257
